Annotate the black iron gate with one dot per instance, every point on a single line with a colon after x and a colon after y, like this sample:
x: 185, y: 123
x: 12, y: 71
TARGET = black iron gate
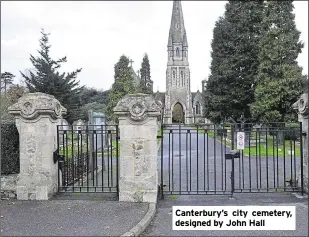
x: 87, y: 158
x: 201, y: 159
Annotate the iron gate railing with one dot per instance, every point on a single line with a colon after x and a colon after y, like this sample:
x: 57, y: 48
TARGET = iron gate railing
x: 200, y: 159
x: 87, y: 158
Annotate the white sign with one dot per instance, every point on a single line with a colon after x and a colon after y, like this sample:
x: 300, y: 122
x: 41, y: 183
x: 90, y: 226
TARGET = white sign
x: 240, y: 140
x: 234, y: 218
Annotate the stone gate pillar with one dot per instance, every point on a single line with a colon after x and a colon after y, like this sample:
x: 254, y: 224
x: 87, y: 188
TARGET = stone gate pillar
x: 302, y: 108
x: 138, y: 115
x: 37, y: 116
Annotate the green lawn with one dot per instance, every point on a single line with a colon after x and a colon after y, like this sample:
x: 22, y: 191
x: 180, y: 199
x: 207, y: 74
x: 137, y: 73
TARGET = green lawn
x: 260, y: 148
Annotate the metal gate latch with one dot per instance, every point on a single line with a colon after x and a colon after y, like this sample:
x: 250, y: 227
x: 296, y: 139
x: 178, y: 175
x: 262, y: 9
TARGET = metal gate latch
x: 58, y: 157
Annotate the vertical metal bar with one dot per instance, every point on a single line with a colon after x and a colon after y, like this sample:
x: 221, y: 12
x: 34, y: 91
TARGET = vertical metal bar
x: 232, y: 171
x: 102, y: 155
x: 215, y: 165
x: 93, y: 165
x: 58, y: 149
x: 169, y: 160
x: 301, y: 160
x: 225, y: 163
x: 83, y: 162
x: 239, y: 165
x: 112, y: 154
x: 242, y: 159
x: 277, y: 148
x: 260, y: 163
x: 78, y: 159
x: 291, y: 163
x: 187, y: 168
x: 284, y: 174
x: 110, y: 161
x: 88, y: 156
x: 197, y: 174
x: 274, y: 162
x: 72, y: 161
x: 242, y: 169
x: 179, y: 144
x: 294, y: 148
x: 221, y: 150
x: 117, y: 159
x: 108, y: 154
x: 250, y: 166
x: 96, y: 157
x: 68, y: 160
x: 256, y: 158
x: 190, y: 161
x: 65, y: 158
x: 172, y: 162
x: 267, y: 185
x: 207, y: 159
x: 161, y: 186
x: 204, y: 161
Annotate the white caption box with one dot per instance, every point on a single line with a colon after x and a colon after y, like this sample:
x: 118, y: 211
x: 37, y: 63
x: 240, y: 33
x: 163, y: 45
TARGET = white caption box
x: 234, y: 218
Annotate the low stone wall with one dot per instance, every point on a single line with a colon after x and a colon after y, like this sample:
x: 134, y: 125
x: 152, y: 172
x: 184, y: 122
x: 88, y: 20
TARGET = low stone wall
x: 8, y: 186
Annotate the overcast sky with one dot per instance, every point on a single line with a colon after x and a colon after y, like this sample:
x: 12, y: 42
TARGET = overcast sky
x: 93, y: 35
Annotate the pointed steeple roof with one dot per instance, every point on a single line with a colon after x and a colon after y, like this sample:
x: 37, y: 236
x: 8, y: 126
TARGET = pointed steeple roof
x: 177, y: 32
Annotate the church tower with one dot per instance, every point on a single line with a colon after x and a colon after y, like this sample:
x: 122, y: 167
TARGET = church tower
x: 178, y: 98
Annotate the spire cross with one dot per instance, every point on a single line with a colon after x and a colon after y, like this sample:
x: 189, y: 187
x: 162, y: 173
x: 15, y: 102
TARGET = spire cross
x: 131, y: 61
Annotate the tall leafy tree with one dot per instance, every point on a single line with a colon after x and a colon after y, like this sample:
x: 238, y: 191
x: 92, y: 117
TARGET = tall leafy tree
x: 279, y: 81
x: 7, y: 79
x: 234, y: 66
x: 146, y: 83
x: 122, y: 85
x: 46, y: 78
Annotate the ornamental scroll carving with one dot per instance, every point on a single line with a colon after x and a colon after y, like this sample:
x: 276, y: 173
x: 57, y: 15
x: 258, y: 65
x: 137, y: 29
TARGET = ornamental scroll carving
x: 302, y: 108
x: 302, y: 105
x: 138, y: 107
x: 32, y: 105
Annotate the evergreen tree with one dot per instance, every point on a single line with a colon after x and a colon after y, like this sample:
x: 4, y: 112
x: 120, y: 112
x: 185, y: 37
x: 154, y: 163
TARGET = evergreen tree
x: 146, y: 83
x: 279, y: 81
x: 122, y: 86
x: 7, y: 79
x: 47, y: 79
x: 234, y: 66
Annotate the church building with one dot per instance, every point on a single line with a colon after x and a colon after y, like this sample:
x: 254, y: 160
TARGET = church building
x: 180, y: 105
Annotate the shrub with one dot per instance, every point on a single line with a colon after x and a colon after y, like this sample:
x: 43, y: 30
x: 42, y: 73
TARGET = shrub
x: 9, y: 149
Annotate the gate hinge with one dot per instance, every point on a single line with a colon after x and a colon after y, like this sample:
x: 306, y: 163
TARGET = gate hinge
x: 58, y: 157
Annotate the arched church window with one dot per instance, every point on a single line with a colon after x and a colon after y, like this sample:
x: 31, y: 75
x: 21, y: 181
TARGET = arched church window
x: 198, y: 108
x: 182, y: 78
x: 177, y: 52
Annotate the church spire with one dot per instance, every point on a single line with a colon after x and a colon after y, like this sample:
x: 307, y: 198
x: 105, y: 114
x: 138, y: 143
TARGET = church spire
x: 177, y: 32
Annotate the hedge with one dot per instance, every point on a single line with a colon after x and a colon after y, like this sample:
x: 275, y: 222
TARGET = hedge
x: 9, y: 149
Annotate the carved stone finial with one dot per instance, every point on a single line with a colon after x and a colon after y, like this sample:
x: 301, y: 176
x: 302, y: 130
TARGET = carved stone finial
x: 138, y: 107
x: 302, y: 105
x: 31, y: 105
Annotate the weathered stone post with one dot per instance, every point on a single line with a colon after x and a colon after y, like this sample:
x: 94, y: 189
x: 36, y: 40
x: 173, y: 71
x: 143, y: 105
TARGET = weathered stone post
x: 138, y: 115
x: 37, y: 116
x: 302, y: 107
